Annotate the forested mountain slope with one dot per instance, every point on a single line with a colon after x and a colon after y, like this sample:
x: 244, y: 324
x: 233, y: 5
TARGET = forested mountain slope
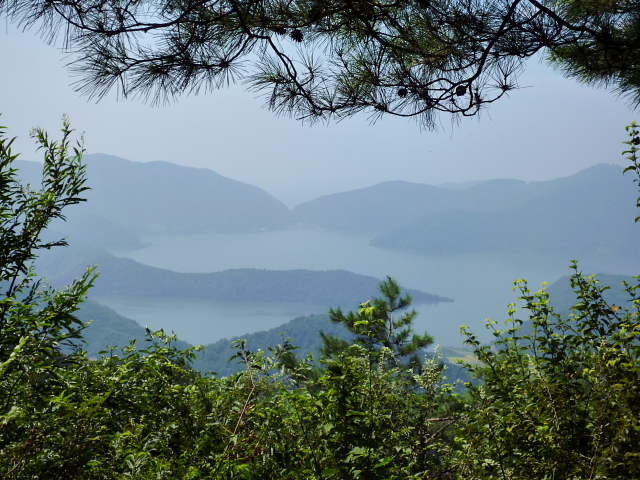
x: 110, y: 329
x: 304, y: 333
x: 390, y: 205
x: 590, y: 212
x: 161, y: 197
x: 124, y: 276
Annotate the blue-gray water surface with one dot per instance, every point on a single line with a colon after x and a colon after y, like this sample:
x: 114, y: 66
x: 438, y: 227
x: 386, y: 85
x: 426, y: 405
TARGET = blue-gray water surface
x: 480, y: 283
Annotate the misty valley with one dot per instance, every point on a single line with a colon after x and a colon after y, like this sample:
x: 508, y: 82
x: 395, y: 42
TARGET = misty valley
x: 481, y: 284
x: 212, y: 259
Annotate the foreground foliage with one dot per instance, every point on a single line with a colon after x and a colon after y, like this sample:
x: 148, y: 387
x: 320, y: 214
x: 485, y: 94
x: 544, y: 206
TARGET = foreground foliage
x: 633, y: 143
x: 559, y: 397
x: 554, y: 397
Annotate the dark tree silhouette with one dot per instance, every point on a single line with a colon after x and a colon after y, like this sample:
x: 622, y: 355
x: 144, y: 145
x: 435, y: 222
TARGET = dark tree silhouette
x: 321, y: 59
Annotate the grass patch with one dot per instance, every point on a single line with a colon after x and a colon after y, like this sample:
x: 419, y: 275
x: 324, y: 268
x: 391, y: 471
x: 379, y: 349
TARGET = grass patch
x: 458, y: 354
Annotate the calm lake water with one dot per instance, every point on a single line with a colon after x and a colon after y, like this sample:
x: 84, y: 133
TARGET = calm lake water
x: 481, y: 284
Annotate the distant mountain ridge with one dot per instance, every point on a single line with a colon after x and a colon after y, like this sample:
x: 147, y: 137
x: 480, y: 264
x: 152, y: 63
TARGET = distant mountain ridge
x: 161, y: 197
x: 588, y: 211
x: 395, y: 204
x: 592, y: 211
x: 124, y: 276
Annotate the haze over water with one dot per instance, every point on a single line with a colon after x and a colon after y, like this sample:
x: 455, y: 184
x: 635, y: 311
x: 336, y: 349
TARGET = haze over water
x: 480, y: 283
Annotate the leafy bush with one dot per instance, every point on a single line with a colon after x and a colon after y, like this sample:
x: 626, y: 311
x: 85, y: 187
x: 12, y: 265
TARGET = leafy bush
x: 559, y: 400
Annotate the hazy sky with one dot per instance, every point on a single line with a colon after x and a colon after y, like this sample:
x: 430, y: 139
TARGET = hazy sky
x: 552, y: 128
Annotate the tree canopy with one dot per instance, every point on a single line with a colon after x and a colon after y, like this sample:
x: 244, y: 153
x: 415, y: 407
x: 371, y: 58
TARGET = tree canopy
x: 381, y: 323
x: 321, y: 59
